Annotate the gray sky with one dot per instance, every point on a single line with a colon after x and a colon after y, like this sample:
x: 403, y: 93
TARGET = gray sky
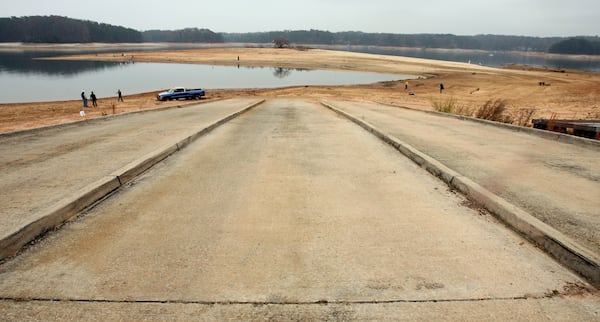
x: 461, y: 17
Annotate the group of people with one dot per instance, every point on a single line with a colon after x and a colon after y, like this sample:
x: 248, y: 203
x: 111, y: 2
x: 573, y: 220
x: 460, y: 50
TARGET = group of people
x: 406, y: 87
x: 94, y: 100
x: 92, y: 97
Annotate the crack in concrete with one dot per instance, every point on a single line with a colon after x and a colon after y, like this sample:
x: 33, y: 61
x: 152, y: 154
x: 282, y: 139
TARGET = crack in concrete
x: 285, y: 303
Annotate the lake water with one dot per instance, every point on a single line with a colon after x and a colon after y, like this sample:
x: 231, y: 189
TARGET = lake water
x: 25, y: 79
x: 487, y: 58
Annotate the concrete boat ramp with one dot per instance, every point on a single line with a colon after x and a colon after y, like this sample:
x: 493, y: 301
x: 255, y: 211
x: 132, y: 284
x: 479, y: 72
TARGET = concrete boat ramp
x: 285, y: 209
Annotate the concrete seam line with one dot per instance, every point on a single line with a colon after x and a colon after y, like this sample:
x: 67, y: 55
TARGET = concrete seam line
x: 285, y: 303
x: 508, y: 210
x: 224, y: 120
x: 90, y: 120
x: 428, y: 163
x: 183, y: 143
x: 135, y: 168
x: 544, y: 134
x: 551, y: 240
x: 57, y: 215
x: 566, y: 251
x: 103, y: 118
x: 68, y: 208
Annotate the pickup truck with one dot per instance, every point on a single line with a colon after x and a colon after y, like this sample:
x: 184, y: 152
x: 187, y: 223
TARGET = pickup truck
x: 180, y: 92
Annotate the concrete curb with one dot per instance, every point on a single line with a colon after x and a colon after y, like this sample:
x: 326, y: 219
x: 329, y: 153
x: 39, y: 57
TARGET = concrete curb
x: 69, y: 207
x: 553, y: 242
x: 100, y: 119
x: 56, y: 215
x: 549, y: 135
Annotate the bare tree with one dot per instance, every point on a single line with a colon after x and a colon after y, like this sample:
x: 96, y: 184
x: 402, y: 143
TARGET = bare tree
x: 281, y: 42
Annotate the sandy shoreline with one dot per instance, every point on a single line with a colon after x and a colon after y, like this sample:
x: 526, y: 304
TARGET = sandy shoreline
x: 567, y: 94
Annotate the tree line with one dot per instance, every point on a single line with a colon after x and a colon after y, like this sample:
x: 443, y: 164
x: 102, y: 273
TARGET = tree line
x: 576, y: 46
x: 579, y: 45
x: 448, y: 41
x: 183, y: 35
x: 56, y: 29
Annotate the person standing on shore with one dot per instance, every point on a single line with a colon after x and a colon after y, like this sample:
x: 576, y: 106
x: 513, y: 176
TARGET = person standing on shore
x: 406, y: 85
x: 120, y: 99
x: 84, y: 99
x: 441, y: 88
x: 93, y: 97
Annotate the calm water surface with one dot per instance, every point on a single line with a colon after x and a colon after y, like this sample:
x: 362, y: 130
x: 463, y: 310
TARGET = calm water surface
x: 487, y: 58
x: 25, y: 79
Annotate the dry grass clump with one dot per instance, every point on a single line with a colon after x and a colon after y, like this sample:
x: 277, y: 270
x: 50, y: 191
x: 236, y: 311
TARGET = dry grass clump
x: 522, y: 117
x: 451, y: 105
x: 492, y: 110
x: 446, y: 106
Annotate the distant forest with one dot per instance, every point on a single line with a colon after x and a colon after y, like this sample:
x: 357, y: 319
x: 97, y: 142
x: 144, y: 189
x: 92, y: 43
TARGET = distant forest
x: 483, y: 42
x: 576, y: 46
x: 57, y: 29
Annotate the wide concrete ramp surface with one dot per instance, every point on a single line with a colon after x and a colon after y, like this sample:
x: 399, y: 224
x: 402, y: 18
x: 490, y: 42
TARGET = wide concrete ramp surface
x: 289, y: 212
x: 556, y: 182
x: 39, y: 168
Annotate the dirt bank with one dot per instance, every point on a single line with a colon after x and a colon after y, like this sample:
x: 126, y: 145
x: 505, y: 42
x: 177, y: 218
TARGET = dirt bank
x: 566, y: 94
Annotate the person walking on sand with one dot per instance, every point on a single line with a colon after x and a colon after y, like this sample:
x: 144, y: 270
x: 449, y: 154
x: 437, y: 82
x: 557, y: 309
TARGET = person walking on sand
x: 120, y: 99
x: 406, y: 85
x: 441, y: 88
x: 93, y: 97
x: 84, y: 99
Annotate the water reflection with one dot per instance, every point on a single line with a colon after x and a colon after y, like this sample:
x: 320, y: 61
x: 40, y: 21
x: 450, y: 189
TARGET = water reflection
x: 25, y: 79
x: 26, y: 63
x: 104, y: 79
x: 493, y: 59
x: 281, y: 72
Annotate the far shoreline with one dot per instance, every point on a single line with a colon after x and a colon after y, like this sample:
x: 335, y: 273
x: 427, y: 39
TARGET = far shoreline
x: 567, y: 94
x: 183, y: 45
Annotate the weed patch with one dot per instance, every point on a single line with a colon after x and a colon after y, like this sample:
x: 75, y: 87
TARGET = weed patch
x: 492, y: 110
x: 450, y: 105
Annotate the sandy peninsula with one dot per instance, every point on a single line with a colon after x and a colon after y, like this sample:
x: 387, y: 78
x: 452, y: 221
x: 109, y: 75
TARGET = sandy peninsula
x: 528, y: 92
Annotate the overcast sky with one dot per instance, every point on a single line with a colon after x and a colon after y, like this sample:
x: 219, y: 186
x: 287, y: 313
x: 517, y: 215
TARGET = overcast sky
x: 460, y: 17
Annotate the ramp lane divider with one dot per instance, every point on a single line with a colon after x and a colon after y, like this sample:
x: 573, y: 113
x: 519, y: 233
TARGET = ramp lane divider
x: 562, y: 248
x: 104, y: 118
x: 70, y: 206
x: 545, y: 134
